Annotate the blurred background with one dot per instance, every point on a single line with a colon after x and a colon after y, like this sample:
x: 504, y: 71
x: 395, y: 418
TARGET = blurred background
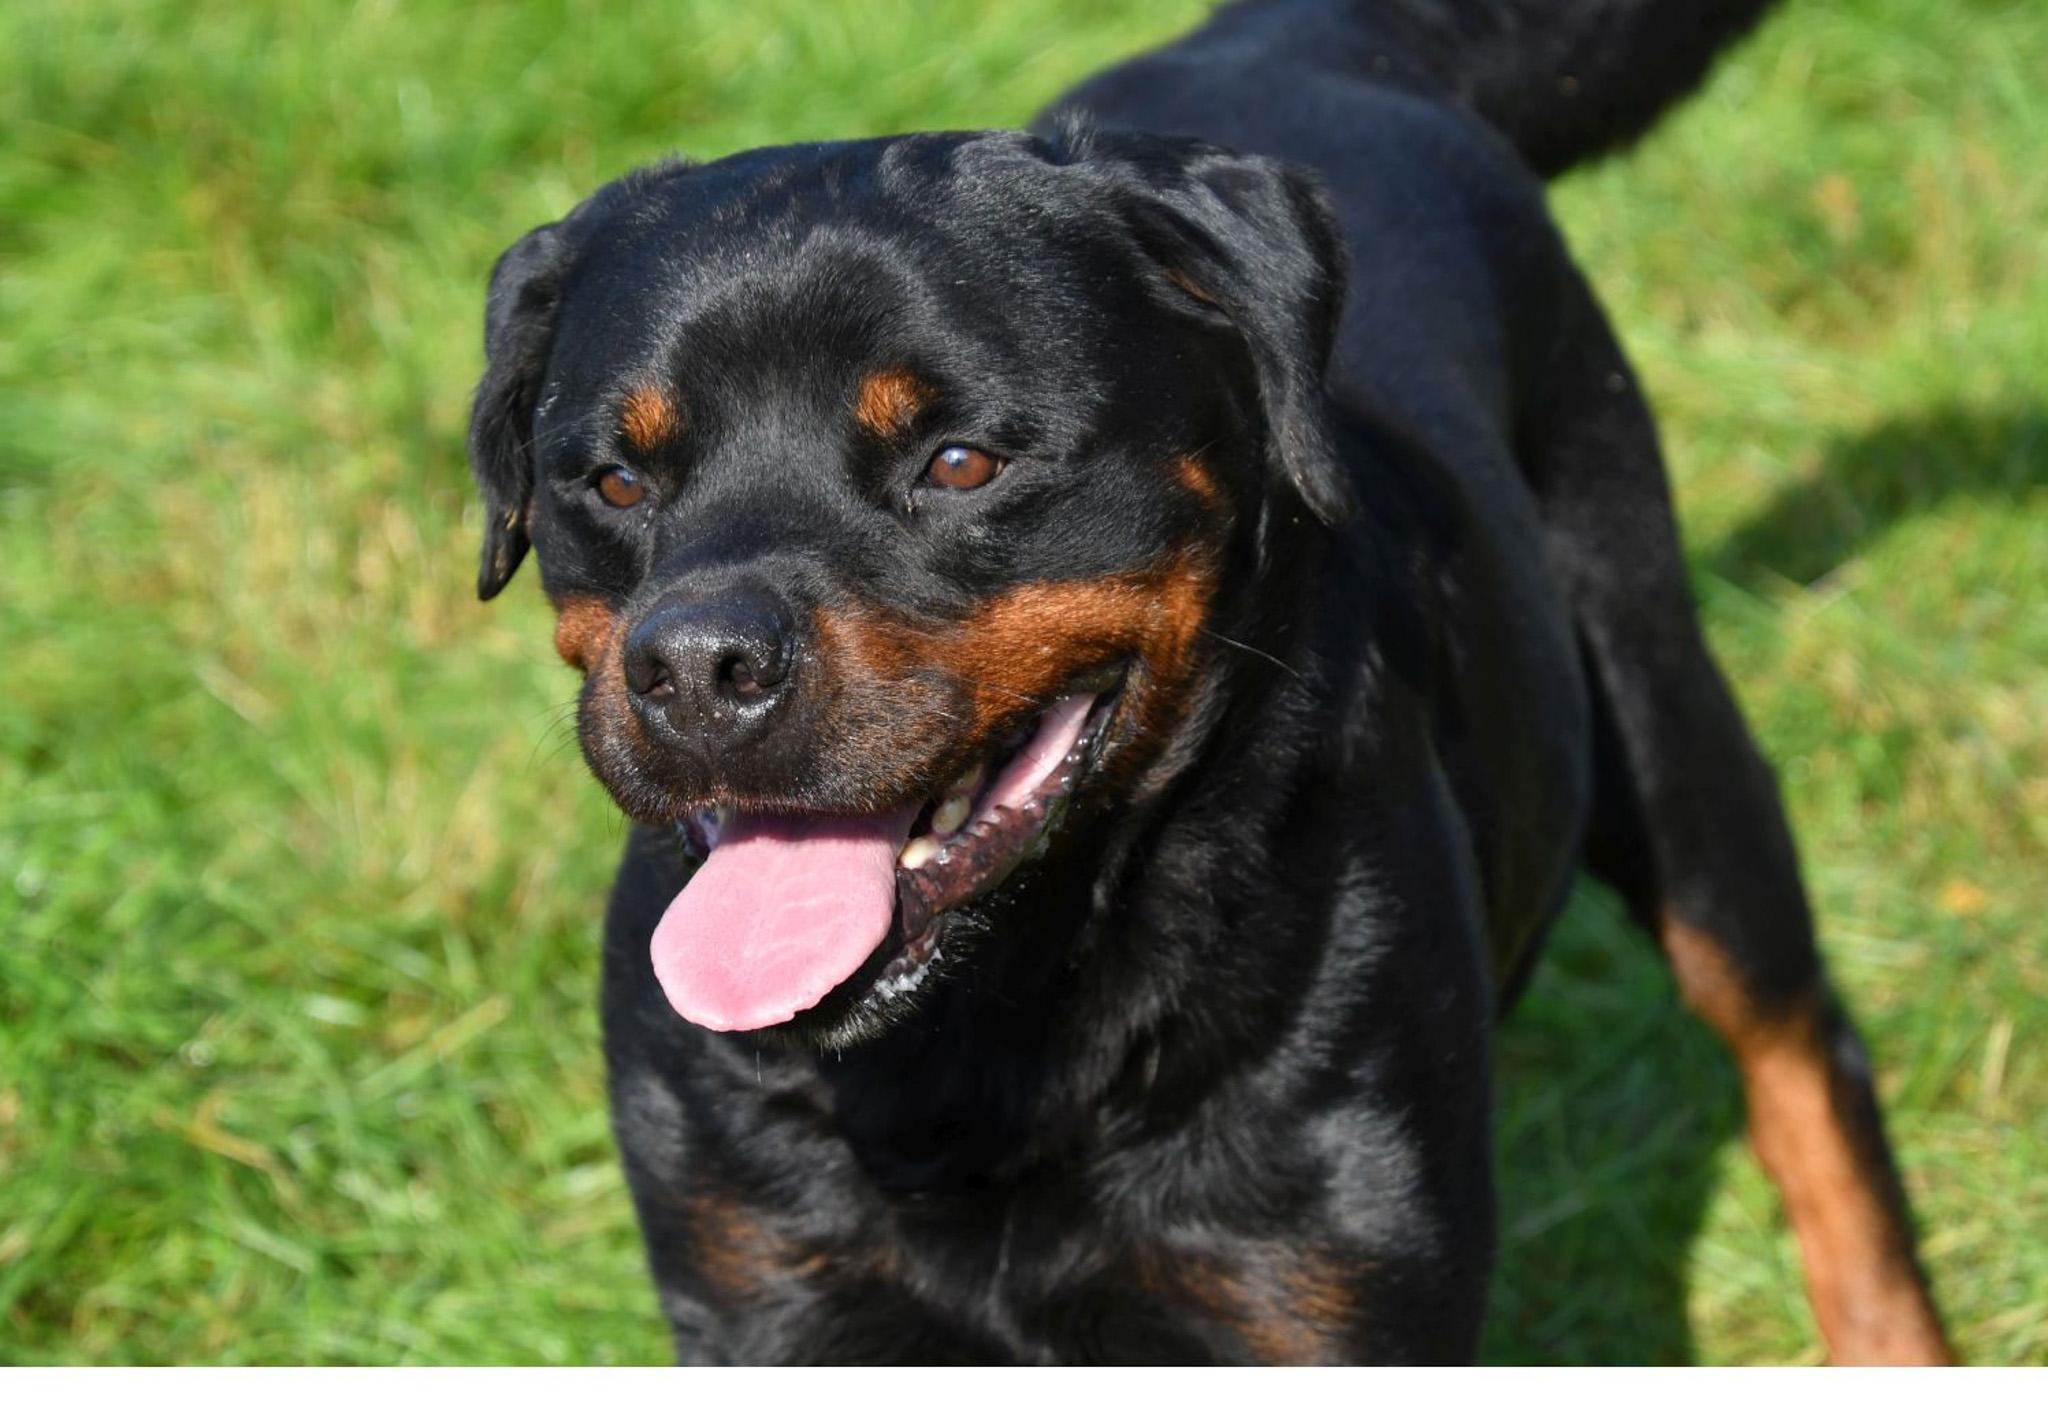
x: 301, y: 874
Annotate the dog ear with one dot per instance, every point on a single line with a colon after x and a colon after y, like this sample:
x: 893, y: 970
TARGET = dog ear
x: 519, y: 323
x: 1259, y: 242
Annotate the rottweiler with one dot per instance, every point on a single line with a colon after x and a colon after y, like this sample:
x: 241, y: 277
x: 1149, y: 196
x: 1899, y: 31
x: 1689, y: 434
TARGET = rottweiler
x: 1116, y: 640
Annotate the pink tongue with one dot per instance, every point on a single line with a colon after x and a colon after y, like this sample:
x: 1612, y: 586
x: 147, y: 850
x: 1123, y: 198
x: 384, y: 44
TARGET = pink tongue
x: 784, y: 910
x: 787, y: 908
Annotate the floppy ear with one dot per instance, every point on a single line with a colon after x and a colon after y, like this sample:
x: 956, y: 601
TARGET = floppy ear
x: 1258, y: 240
x: 519, y: 323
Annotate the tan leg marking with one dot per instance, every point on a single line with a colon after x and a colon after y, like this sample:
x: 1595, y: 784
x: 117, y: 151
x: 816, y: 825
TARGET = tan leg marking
x: 1860, y: 1275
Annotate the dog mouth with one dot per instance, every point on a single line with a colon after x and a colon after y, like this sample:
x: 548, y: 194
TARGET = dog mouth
x: 786, y: 909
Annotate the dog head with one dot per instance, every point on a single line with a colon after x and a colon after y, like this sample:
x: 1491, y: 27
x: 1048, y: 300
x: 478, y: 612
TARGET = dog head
x: 892, y: 495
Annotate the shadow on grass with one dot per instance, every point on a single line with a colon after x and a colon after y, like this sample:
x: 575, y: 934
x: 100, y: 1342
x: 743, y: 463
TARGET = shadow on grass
x: 1616, y: 1109
x: 1871, y: 481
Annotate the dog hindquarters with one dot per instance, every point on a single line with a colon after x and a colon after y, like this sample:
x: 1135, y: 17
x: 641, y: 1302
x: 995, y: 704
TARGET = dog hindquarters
x: 1689, y: 827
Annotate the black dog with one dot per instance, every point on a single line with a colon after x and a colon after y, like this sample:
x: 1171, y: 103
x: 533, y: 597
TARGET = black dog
x: 1112, y: 702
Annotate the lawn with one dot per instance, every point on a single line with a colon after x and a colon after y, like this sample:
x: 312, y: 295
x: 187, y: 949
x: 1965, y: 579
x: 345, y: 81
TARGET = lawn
x: 300, y: 873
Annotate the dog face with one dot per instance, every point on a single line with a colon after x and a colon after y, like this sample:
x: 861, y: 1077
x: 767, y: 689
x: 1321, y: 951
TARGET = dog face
x: 888, y: 493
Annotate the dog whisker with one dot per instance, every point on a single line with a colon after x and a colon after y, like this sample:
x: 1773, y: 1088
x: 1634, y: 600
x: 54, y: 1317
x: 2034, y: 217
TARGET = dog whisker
x: 1253, y: 650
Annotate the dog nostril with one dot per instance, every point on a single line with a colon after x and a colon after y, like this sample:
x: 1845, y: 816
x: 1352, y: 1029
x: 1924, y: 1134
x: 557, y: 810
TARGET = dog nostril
x: 738, y: 676
x: 748, y: 674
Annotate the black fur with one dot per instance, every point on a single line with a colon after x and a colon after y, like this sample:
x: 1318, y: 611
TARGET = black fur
x: 1209, y: 1079
x: 1564, y: 80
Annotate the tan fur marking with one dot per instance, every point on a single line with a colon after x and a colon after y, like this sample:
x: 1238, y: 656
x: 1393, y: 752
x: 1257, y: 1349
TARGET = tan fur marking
x: 889, y: 400
x: 648, y: 418
x: 1198, y: 479
x: 1027, y: 642
x: 1188, y: 286
x: 1859, y: 1269
x: 742, y: 1254
x: 1300, y: 1313
x: 611, y: 729
x: 584, y: 627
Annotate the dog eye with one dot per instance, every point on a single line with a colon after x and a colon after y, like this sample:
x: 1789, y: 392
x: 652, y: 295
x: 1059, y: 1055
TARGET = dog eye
x: 620, y: 487
x: 962, y: 467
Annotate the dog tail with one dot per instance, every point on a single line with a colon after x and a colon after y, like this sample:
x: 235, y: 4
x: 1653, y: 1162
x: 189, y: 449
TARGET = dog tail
x: 1569, y: 80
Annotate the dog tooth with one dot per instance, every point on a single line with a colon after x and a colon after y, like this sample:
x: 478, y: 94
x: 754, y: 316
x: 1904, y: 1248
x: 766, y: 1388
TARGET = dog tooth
x: 951, y: 814
x: 967, y: 783
x: 916, y: 852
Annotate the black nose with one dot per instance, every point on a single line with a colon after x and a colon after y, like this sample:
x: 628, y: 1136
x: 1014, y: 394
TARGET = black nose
x: 711, y: 666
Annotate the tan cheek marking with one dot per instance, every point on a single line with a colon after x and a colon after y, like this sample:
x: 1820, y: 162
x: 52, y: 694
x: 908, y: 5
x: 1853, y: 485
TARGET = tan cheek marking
x: 1032, y: 639
x: 1860, y: 1275
x: 1028, y: 641
x: 584, y: 627
x: 889, y: 400
x: 648, y: 418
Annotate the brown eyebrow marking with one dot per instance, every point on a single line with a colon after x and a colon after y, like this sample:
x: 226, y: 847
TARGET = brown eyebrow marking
x: 888, y: 400
x: 648, y: 417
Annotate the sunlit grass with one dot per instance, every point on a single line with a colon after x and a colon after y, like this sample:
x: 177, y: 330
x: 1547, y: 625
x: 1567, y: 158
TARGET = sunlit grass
x: 300, y: 874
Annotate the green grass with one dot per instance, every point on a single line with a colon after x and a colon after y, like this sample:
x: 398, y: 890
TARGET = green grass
x: 299, y: 872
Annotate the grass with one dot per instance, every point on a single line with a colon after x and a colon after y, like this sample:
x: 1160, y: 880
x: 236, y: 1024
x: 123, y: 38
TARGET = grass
x: 300, y: 874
